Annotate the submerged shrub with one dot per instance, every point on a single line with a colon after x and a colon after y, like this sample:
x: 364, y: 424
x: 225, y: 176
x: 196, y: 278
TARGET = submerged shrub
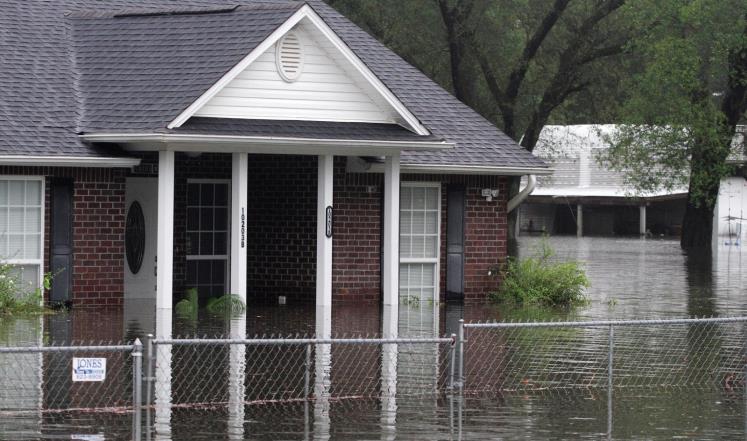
x: 538, y: 280
x: 229, y: 303
x: 187, y: 307
x: 17, y: 296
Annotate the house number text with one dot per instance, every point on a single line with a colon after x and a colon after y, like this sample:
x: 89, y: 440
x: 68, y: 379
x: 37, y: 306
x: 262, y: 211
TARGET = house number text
x: 328, y: 230
x: 243, y: 228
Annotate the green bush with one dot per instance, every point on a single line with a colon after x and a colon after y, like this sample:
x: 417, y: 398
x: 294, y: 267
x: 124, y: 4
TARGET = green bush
x: 538, y: 280
x: 17, y: 297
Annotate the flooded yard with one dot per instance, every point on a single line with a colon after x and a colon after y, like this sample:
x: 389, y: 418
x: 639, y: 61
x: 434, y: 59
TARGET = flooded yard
x: 631, y: 279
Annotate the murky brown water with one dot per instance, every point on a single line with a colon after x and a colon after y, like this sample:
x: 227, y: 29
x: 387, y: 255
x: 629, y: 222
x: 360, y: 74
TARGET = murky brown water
x: 631, y: 278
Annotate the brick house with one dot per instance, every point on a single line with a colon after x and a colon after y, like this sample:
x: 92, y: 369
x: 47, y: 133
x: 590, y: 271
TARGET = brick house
x: 267, y: 149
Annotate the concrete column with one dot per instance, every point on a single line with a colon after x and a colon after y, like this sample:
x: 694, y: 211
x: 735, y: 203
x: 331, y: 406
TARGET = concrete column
x: 323, y: 238
x: 391, y: 233
x: 165, y: 239
x: 642, y: 220
x: 239, y: 197
x: 579, y: 220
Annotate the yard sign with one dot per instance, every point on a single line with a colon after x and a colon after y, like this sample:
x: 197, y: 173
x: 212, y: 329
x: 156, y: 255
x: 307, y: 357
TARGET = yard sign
x: 89, y: 369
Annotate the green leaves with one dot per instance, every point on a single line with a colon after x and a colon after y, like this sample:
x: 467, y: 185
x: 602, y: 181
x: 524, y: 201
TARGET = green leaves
x: 539, y: 280
x: 17, y: 296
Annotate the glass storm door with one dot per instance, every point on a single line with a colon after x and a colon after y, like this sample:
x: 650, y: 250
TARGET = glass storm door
x: 207, y: 237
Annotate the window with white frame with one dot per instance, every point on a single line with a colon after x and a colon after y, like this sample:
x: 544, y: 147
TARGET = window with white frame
x: 22, y: 226
x: 207, y: 236
x: 419, y: 225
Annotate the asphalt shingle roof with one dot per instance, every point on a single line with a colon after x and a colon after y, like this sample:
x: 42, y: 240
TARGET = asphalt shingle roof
x: 83, y: 66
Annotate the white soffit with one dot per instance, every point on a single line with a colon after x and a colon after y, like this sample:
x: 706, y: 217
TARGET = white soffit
x: 330, y: 83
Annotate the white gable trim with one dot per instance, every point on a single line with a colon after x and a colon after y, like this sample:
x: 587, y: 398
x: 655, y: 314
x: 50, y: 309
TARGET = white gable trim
x: 305, y: 12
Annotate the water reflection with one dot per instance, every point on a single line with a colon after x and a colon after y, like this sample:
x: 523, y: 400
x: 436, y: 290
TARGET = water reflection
x: 631, y: 278
x: 322, y: 374
x: 163, y: 375
x: 236, y: 375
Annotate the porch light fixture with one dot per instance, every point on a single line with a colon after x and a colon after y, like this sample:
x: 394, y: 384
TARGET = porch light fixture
x: 489, y: 194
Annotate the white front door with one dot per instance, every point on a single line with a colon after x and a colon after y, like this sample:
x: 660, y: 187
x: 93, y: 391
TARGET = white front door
x: 141, y: 231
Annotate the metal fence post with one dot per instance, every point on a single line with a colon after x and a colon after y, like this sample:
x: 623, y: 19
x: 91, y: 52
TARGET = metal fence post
x: 462, y: 380
x: 611, y: 352
x: 307, y: 373
x: 137, y: 389
x: 148, y: 388
x: 452, y: 366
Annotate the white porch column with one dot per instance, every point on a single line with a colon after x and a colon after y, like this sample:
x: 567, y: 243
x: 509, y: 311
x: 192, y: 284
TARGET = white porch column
x: 579, y: 220
x: 236, y: 376
x: 165, y: 247
x: 163, y: 376
x: 323, y: 241
x: 391, y: 236
x: 642, y: 220
x: 239, y: 195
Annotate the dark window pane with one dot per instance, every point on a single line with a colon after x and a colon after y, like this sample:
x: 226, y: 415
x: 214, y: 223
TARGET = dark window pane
x: 193, y: 219
x: 206, y: 244
x: 221, y: 194
x: 219, y: 271
x: 203, y: 271
x: 221, y: 219
x: 193, y: 194
x: 206, y: 219
x: 206, y: 194
x: 221, y: 244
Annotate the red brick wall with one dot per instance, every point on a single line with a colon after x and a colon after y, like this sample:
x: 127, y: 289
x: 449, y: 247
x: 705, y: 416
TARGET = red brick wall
x: 356, y: 248
x: 98, y: 230
x: 356, y: 255
x: 281, y: 227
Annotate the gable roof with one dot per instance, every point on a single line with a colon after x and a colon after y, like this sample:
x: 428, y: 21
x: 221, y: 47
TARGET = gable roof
x: 107, y: 66
x: 316, y: 34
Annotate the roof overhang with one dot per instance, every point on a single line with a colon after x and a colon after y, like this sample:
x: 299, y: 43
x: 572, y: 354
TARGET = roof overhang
x: 260, y: 144
x: 68, y: 161
x: 464, y: 169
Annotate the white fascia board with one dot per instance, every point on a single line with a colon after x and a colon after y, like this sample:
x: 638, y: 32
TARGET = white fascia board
x: 304, y: 12
x: 261, y: 144
x: 466, y: 170
x: 68, y: 161
x: 361, y: 67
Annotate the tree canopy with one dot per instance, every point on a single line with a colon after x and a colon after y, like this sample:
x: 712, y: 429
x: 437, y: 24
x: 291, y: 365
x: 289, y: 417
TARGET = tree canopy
x: 673, y: 72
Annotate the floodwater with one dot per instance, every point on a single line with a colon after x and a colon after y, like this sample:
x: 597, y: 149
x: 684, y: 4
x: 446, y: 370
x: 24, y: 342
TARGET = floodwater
x: 631, y: 278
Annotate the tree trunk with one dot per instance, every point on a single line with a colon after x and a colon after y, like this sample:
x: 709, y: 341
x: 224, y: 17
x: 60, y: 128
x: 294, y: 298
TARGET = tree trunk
x: 697, y: 226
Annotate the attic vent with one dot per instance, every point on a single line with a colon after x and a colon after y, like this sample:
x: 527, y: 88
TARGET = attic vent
x: 289, y: 57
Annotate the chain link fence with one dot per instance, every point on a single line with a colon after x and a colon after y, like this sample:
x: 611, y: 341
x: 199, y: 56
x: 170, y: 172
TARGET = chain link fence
x: 180, y: 381
x: 286, y: 370
x: 71, y: 383
x: 539, y: 356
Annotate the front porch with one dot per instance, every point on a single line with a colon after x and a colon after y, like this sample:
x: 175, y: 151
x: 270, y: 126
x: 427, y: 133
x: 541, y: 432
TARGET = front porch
x: 255, y: 225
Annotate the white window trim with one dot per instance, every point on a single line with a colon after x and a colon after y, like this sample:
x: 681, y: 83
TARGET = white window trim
x: 40, y: 260
x: 226, y: 257
x: 437, y: 259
